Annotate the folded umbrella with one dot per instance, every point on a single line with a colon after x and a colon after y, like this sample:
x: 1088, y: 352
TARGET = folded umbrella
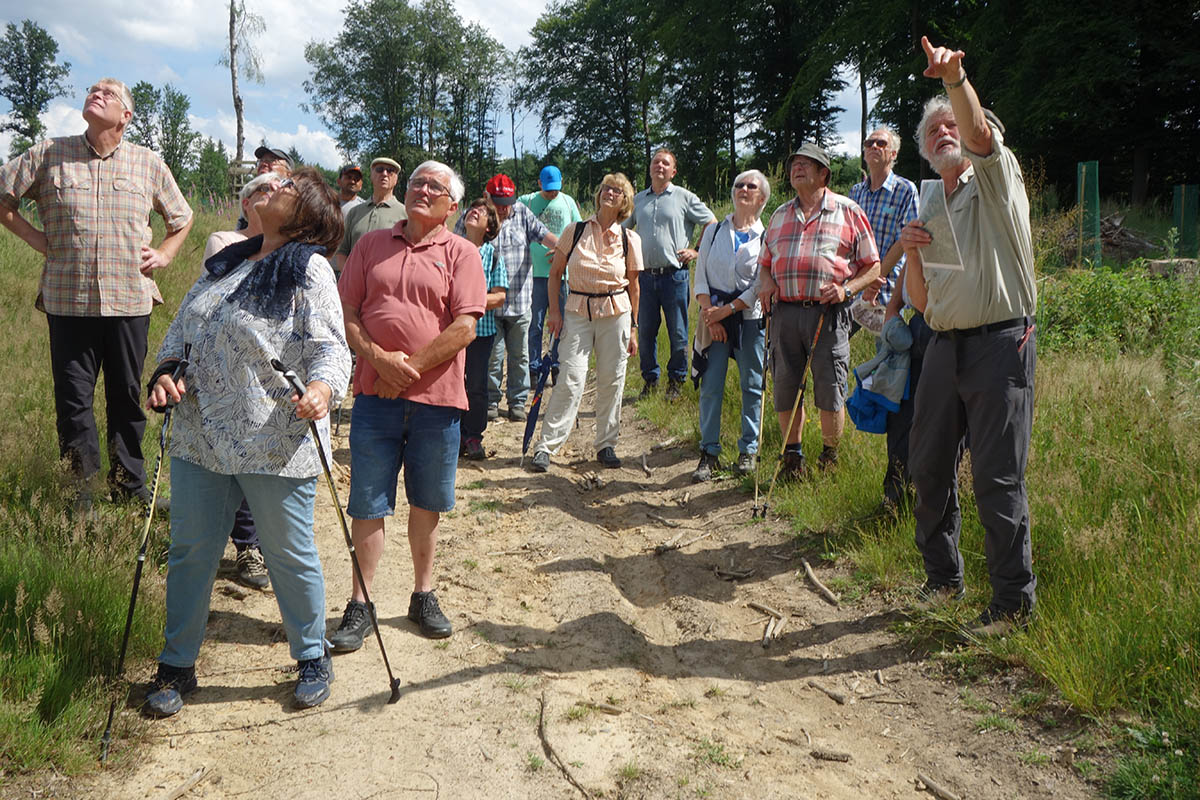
x: 548, y: 363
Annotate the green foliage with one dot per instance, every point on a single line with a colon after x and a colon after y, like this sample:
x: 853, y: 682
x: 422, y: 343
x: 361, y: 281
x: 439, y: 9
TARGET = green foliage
x: 29, y: 79
x: 142, y: 128
x: 210, y: 179
x: 1157, y: 770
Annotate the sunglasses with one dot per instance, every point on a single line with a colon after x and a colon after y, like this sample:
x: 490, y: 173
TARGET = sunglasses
x: 881, y: 143
x: 745, y: 185
x: 612, y: 190
x: 431, y: 187
x: 384, y: 168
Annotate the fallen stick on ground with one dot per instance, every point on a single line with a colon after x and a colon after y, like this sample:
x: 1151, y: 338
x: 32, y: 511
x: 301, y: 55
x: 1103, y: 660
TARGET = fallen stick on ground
x: 733, y: 574
x: 646, y: 467
x: 187, y: 785
x: 664, y: 444
x: 770, y: 612
x: 779, y: 627
x: 766, y: 640
x: 550, y: 752
x: 830, y: 755
x: 812, y: 576
x: 605, y: 708
x: 662, y: 548
x: 935, y: 788
x: 832, y: 694
x: 670, y: 523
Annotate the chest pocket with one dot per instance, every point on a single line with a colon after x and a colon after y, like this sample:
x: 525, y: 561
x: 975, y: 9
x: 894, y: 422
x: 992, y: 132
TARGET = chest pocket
x: 65, y: 184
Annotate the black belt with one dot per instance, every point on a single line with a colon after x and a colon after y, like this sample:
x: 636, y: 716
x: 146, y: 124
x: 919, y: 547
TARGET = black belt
x: 590, y: 295
x: 811, y: 303
x: 662, y: 270
x: 991, y: 327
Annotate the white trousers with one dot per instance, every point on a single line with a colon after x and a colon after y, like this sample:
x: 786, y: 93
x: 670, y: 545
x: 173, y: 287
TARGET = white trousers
x: 608, y: 337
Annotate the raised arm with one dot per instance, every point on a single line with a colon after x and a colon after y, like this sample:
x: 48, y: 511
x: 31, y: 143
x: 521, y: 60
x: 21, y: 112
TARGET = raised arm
x: 946, y: 64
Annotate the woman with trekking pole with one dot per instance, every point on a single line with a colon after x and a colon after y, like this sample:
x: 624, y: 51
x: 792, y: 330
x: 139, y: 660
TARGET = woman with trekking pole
x: 731, y: 322
x: 241, y: 432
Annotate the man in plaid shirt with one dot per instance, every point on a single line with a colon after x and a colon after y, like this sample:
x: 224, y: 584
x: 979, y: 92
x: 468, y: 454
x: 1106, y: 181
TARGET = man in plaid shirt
x: 94, y: 194
x: 890, y: 203
x: 818, y: 252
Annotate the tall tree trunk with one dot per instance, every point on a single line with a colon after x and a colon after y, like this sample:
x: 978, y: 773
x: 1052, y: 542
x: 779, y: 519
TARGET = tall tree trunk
x: 512, y: 110
x: 862, y: 128
x: 237, y: 96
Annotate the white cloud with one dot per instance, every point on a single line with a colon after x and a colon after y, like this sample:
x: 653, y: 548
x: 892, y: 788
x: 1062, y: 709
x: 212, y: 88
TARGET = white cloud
x: 315, y: 147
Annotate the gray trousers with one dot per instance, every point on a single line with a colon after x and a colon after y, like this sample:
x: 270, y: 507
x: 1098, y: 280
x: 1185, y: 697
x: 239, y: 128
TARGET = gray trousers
x: 982, y: 384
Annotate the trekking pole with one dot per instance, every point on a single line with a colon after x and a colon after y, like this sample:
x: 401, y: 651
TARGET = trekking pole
x: 299, y: 387
x: 163, y: 434
x: 795, y: 407
x: 761, y: 511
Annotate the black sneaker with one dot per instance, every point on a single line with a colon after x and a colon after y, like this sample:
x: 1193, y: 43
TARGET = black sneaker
x: 704, y: 470
x: 312, y: 685
x: 828, y: 458
x: 356, y: 624
x: 674, y: 389
x: 998, y: 622
x: 493, y: 412
x: 165, y: 697
x: 935, y: 595
x: 746, y: 463
x: 541, y: 461
x: 251, y: 569
x: 794, y: 467
x: 608, y: 458
x: 517, y: 413
x: 649, y: 388
x: 423, y: 609
x: 473, y: 449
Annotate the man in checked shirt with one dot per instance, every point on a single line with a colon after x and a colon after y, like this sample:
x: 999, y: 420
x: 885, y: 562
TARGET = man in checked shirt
x: 94, y: 194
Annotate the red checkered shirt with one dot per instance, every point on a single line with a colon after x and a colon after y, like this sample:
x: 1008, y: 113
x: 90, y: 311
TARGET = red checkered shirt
x: 96, y: 215
x: 832, y: 245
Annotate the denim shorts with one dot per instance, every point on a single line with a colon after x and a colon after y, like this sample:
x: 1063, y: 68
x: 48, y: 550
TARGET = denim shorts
x: 388, y: 434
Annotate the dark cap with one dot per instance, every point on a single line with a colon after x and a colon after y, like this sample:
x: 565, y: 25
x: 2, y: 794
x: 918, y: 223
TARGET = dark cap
x: 274, y: 152
x: 808, y: 150
x: 502, y: 190
x: 351, y: 168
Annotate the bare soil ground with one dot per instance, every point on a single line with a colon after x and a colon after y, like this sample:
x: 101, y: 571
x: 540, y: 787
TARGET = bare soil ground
x: 585, y: 664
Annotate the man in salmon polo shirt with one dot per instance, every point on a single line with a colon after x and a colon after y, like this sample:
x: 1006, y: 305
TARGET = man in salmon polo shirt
x: 411, y: 295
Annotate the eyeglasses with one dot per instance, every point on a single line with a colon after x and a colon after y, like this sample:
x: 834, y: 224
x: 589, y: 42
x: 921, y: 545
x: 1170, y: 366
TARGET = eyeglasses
x: 430, y: 186
x: 381, y: 168
x: 266, y: 188
x: 612, y: 190
x: 745, y: 185
x: 285, y: 183
x: 880, y: 143
x: 107, y: 94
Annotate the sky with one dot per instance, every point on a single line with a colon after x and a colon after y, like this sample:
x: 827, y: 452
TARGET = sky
x: 143, y: 41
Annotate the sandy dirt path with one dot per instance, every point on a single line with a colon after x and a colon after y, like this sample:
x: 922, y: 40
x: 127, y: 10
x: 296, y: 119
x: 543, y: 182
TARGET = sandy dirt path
x: 585, y: 664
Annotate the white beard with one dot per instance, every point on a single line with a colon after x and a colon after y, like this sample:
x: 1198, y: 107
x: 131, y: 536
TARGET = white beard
x: 946, y: 160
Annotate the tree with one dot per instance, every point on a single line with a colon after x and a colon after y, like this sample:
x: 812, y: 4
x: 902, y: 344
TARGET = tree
x: 31, y: 78
x: 241, y: 54
x: 176, y: 138
x: 142, y: 128
x: 210, y: 179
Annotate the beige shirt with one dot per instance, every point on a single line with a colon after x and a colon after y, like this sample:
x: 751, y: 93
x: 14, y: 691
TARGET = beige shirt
x: 990, y: 214
x: 219, y: 240
x: 597, y: 267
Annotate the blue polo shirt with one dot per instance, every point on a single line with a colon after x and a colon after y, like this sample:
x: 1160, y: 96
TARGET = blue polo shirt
x: 666, y: 222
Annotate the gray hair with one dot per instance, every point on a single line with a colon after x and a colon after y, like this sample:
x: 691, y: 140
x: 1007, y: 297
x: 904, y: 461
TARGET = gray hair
x: 456, y: 185
x: 252, y: 186
x: 764, y: 186
x: 122, y: 90
x: 936, y: 106
x: 892, y: 137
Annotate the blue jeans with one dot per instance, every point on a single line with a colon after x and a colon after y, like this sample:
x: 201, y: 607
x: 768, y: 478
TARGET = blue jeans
x: 203, y: 504
x: 541, y: 304
x: 668, y: 292
x: 512, y: 336
x: 712, y: 389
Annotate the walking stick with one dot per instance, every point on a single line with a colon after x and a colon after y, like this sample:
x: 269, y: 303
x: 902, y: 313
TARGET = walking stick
x: 163, y: 434
x: 761, y: 510
x: 795, y: 407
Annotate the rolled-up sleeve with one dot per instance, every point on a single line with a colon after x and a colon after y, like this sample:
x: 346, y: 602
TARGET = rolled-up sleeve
x: 324, y: 352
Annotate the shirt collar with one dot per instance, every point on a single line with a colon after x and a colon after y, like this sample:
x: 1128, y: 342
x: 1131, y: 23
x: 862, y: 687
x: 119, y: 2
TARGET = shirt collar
x: 400, y: 231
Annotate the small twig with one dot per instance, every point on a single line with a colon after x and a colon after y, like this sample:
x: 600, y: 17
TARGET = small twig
x: 830, y: 755
x: 757, y: 622
x: 770, y: 612
x: 670, y: 523
x: 879, y: 677
x: 666, y: 549
x: 807, y: 738
x: 836, y: 696
x: 550, y: 752
x: 187, y: 785
x: 664, y: 444
x: 935, y: 788
x: 606, y: 708
x: 733, y: 575
x: 824, y: 590
x: 779, y: 627
x: 646, y: 467
x: 766, y: 640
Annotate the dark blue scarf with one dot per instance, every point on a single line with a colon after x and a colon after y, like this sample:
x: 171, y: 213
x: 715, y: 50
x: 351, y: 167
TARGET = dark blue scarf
x: 268, y: 290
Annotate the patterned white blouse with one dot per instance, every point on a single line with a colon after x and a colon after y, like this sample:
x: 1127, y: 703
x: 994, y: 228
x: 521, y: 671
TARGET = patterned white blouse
x: 236, y: 416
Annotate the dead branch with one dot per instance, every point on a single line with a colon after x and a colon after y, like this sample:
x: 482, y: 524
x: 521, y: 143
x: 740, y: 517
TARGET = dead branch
x: 766, y: 640
x: 935, y: 788
x: 551, y: 754
x: 664, y: 444
x: 658, y: 551
x: 832, y: 694
x: 822, y: 588
x: 646, y: 467
x: 830, y: 755
x: 605, y: 708
x: 187, y: 785
x: 770, y: 612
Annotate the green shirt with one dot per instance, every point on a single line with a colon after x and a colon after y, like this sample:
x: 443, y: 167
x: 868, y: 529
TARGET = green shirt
x: 667, y: 223
x: 556, y: 215
x: 990, y: 213
x: 367, y: 217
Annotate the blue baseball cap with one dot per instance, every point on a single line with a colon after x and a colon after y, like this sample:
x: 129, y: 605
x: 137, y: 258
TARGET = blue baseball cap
x: 551, y: 179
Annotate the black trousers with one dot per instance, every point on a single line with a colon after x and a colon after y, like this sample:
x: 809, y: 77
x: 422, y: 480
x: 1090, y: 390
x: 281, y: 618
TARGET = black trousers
x: 80, y: 348
x: 897, y: 479
x: 475, y: 375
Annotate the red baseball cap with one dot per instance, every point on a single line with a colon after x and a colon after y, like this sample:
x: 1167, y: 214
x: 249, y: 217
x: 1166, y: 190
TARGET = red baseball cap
x: 502, y: 190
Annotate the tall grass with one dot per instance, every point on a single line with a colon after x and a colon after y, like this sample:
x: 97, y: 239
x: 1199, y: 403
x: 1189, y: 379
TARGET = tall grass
x: 64, y: 580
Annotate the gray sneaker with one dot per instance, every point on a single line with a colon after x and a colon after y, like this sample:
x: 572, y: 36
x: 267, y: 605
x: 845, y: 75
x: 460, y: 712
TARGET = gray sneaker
x: 541, y: 461
x: 746, y: 463
x: 312, y: 685
x: 932, y: 596
x: 251, y: 569
x: 356, y: 624
x: 170, y: 685
x: 704, y: 470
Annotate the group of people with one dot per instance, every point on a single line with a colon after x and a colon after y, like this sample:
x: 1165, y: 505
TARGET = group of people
x: 433, y: 318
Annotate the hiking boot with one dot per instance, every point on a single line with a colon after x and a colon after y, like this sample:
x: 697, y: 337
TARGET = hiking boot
x: 935, y: 595
x: 516, y: 413
x: 794, y: 467
x: 541, y: 461
x: 649, y: 388
x: 312, y: 686
x: 473, y: 449
x: 423, y: 609
x: 493, y: 412
x: 998, y: 622
x: 165, y: 696
x: 674, y: 389
x: 356, y: 624
x: 608, y: 458
x: 704, y: 470
x: 746, y: 463
x: 251, y: 569
x: 828, y: 458
x: 141, y: 496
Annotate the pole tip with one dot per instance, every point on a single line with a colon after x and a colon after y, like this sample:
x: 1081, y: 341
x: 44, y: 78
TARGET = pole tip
x: 395, y: 698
